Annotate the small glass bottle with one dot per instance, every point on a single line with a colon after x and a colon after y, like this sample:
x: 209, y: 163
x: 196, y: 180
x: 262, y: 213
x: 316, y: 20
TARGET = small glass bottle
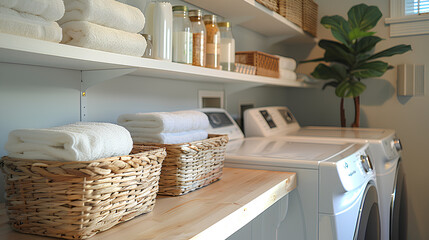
x: 198, y: 38
x: 227, y: 47
x: 213, y: 42
x: 148, y: 51
x: 182, y: 35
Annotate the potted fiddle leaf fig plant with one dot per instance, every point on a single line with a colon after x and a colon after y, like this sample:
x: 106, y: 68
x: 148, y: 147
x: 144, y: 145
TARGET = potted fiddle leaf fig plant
x: 351, y: 58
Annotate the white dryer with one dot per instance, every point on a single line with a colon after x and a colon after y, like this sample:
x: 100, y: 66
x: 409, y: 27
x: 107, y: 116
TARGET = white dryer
x: 336, y: 194
x: 384, y: 147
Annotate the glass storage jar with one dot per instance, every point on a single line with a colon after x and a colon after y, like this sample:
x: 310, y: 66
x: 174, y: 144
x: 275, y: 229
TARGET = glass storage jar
x: 213, y: 42
x: 227, y: 47
x: 198, y: 38
x: 182, y: 35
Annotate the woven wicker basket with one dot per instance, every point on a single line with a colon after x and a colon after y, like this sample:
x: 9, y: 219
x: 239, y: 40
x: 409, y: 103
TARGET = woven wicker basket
x: 190, y: 166
x: 270, y: 4
x: 291, y: 10
x: 266, y: 64
x: 309, y: 16
x: 76, y: 200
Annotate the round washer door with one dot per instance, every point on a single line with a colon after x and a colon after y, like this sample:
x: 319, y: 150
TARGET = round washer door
x: 395, y: 205
x: 368, y: 226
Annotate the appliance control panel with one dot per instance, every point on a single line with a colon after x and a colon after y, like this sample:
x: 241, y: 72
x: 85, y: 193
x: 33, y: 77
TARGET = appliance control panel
x: 269, y: 121
x: 392, y: 146
x: 222, y: 123
x: 355, y: 169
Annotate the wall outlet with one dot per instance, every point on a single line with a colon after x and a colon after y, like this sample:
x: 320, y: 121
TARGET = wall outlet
x: 211, y: 99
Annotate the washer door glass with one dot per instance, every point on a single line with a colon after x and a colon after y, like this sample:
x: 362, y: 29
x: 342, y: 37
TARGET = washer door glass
x: 395, y: 205
x: 368, y: 226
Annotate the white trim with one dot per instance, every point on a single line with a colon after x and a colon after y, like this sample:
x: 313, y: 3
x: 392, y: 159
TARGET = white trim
x: 401, y: 25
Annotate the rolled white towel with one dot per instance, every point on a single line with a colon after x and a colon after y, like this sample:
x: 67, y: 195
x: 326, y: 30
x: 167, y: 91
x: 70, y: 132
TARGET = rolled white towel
x: 287, y: 74
x: 74, y: 142
x: 90, y: 35
x: 157, y: 122
x: 28, y: 25
x: 108, y: 13
x: 170, y: 138
x: 287, y: 63
x: 50, y: 10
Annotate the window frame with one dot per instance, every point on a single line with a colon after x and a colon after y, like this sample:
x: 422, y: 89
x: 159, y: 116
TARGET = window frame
x: 406, y: 25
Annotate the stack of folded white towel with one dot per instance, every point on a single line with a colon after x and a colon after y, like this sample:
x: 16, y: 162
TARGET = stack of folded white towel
x: 166, y: 127
x: 105, y: 25
x: 32, y: 18
x: 287, y: 68
x: 74, y: 142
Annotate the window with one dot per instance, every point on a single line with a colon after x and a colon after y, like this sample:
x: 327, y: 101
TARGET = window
x: 416, y: 7
x: 408, y: 17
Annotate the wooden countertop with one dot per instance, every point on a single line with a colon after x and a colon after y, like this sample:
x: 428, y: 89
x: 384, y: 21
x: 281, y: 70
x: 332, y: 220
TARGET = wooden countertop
x: 213, y: 212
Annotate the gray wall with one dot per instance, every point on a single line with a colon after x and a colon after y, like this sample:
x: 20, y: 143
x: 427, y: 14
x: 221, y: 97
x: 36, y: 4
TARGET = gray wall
x: 381, y: 108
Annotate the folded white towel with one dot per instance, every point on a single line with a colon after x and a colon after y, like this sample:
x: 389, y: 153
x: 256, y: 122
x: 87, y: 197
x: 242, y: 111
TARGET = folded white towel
x: 50, y: 10
x: 28, y: 25
x: 108, y: 13
x: 170, y: 138
x: 90, y: 35
x: 287, y: 74
x: 287, y: 63
x: 157, y: 122
x: 74, y: 142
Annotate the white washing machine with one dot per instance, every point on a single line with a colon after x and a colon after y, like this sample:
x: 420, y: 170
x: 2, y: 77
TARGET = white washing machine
x: 336, y: 194
x: 384, y: 147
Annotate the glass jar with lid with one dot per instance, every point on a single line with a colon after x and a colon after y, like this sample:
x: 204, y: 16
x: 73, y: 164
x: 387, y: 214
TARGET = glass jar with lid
x: 213, y: 42
x: 182, y: 35
x: 198, y: 38
x: 227, y: 47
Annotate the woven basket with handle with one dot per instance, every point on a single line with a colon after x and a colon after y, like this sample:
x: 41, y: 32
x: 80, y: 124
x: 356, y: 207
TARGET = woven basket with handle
x: 190, y: 166
x: 76, y: 200
x: 266, y: 64
x: 270, y: 4
x: 291, y: 10
x: 309, y: 16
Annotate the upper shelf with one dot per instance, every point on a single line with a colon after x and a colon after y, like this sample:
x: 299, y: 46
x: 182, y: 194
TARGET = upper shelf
x: 255, y: 17
x: 20, y: 50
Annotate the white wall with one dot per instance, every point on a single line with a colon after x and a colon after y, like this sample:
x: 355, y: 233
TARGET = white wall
x: 381, y: 108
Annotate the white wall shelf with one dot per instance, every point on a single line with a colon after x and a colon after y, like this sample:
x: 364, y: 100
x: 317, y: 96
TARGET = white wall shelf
x: 20, y: 50
x: 256, y: 17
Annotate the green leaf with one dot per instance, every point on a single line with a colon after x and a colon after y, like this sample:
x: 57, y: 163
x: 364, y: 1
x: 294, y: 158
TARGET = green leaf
x: 350, y: 89
x: 332, y: 84
x: 340, y: 70
x: 370, y: 69
x: 340, y: 28
x: 398, y: 49
x: 356, y: 33
x: 325, y: 72
x: 366, y: 44
x: 336, y: 52
x: 312, y: 60
x: 364, y: 17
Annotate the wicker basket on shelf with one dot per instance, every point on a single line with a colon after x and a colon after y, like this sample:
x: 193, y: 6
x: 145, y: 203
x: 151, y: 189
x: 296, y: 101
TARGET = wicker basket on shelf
x: 190, y: 166
x: 76, y: 200
x: 309, y: 17
x: 291, y: 10
x: 266, y: 64
x: 270, y: 4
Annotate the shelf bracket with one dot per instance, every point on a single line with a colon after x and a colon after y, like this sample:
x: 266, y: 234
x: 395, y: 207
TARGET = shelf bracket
x: 90, y: 78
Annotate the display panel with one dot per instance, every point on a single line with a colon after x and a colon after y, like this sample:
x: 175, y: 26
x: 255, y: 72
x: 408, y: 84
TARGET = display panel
x: 268, y: 118
x: 218, y: 119
x: 287, y: 115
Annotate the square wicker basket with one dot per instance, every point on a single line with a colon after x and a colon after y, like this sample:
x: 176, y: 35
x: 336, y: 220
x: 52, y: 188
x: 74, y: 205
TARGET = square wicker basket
x: 309, y: 17
x: 76, y: 200
x: 270, y: 4
x: 266, y: 64
x: 291, y: 10
x: 190, y: 166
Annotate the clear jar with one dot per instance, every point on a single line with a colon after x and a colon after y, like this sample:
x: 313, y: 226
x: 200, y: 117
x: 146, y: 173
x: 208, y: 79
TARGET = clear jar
x: 213, y: 42
x: 227, y: 47
x: 182, y: 35
x: 148, y: 51
x: 162, y: 31
x: 198, y: 38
